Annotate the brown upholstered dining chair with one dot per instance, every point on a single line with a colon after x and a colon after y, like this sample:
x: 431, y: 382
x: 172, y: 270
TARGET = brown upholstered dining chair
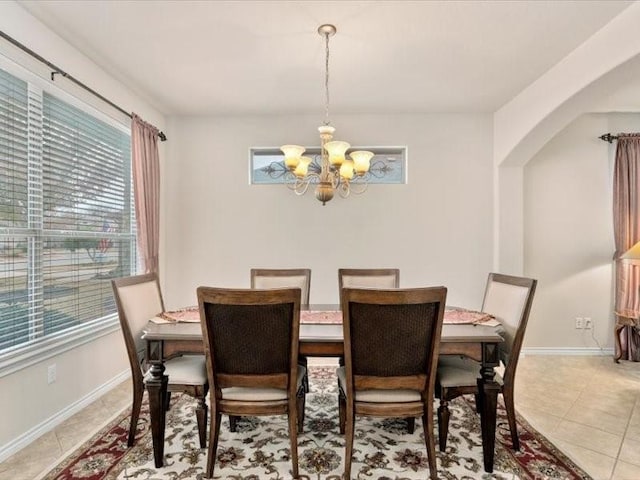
x: 391, y: 345
x: 283, y: 278
x: 508, y: 299
x: 251, y: 346
x: 138, y: 299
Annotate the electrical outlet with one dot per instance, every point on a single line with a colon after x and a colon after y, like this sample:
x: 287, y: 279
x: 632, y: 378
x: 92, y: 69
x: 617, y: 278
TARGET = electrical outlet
x: 51, y: 373
x: 588, y: 323
x: 579, y: 322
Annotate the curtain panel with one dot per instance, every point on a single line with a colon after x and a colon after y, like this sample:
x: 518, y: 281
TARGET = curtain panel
x: 626, y: 219
x: 146, y: 188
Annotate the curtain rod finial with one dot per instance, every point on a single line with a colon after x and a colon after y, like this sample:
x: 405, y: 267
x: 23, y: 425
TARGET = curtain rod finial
x: 162, y: 137
x: 607, y: 137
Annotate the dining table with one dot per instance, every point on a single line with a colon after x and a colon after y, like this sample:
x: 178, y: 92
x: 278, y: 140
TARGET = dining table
x: 321, y: 335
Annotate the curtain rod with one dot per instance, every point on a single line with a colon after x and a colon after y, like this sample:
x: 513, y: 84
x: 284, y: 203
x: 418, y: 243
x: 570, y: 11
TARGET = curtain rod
x: 58, y: 71
x: 607, y: 137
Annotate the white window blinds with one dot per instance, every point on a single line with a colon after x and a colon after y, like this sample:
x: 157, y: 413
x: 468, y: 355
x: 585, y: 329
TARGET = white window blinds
x: 66, y: 218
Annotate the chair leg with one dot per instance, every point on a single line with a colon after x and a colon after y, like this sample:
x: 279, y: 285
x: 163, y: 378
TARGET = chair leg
x: 201, y: 416
x: 443, y: 424
x: 427, y: 424
x: 300, y: 399
x: 411, y: 424
x: 138, y: 392
x: 348, y: 441
x: 293, y: 433
x: 342, y: 406
x: 167, y: 401
x: 507, y: 394
x: 233, y: 420
x: 214, y: 433
x: 305, y: 380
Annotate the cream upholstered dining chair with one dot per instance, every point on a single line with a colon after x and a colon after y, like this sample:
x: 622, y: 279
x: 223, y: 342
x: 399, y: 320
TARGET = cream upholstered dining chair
x: 251, y: 345
x: 508, y: 299
x: 391, y: 345
x: 139, y: 299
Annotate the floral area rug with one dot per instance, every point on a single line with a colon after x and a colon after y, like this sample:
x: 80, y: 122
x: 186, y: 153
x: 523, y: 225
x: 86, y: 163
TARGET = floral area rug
x: 383, y: 449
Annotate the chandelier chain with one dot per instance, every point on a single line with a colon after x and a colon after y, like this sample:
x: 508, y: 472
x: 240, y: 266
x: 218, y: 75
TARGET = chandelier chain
x: 326, y: 79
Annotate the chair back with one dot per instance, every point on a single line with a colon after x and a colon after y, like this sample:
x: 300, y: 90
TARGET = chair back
x: 250, y: 337
x: 392, y: 338
x: 368, y: 278
x: 283, y: 278
x: 138, y: 299
x: 509, y: 299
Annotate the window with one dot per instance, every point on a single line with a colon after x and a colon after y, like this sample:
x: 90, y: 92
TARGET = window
x: 66, y: 220
x: 388, y: 165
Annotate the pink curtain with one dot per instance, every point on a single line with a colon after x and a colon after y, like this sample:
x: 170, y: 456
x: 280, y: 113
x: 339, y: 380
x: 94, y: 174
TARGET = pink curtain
x: 146, y: 190
x: 626, y: 224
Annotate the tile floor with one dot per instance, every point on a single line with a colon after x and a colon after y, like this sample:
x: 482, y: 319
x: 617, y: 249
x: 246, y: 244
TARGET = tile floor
x: 588, y: 406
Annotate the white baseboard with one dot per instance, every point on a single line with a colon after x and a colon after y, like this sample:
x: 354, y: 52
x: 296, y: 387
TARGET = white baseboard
x: 592, y: 351
x: 49, y: 424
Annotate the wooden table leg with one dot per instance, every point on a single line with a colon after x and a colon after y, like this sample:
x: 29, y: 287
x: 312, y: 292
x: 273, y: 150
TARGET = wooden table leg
x: 157, y: 390
x: 489, y: 390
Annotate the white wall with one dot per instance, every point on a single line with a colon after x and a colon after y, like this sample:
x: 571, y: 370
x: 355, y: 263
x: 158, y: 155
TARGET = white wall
x: 437, y: 229
x: 568, y: 232
x: 27, y: 403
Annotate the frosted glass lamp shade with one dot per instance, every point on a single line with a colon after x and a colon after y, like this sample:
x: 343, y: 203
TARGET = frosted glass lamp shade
x: 361, y: 161
x: 346, y: 170
x: 632, y: 256
x: 336, y: 150
x: 302, y: 167
x: 292, y: 154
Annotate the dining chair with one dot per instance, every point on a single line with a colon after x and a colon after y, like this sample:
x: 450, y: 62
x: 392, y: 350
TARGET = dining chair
x: 138, y: 299
x: 391, y: 345
x: 251, y: 346
x: 508, y: 299
x: 283, y: 278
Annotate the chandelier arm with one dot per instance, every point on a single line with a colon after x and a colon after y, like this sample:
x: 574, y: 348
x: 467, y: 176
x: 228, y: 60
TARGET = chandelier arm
x: 358, y: 188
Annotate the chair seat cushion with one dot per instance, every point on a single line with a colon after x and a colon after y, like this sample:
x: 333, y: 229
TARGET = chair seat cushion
x: 377, y: 395
x: 185, y: 370
x: 250, y: 394
x: 459, y: 371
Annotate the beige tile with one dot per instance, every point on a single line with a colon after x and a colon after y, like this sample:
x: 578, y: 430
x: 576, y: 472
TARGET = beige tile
x: 540, y: 420
x: 598, y: 465
x: 593, y: 417
x: 551, y: 404
x: 626, y: 471
x: 31, y: 460
x: 588, y: 437
x: 630, y: 452
x: 620, y: 402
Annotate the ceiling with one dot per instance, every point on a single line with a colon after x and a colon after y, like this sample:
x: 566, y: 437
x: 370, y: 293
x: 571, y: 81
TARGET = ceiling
x: 265, y: 57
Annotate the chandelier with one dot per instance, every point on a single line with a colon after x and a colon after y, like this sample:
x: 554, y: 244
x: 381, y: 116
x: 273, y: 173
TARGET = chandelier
x: 337, y: 170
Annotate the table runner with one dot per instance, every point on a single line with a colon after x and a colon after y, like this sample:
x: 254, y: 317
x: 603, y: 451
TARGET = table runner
x: 452, y: 315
